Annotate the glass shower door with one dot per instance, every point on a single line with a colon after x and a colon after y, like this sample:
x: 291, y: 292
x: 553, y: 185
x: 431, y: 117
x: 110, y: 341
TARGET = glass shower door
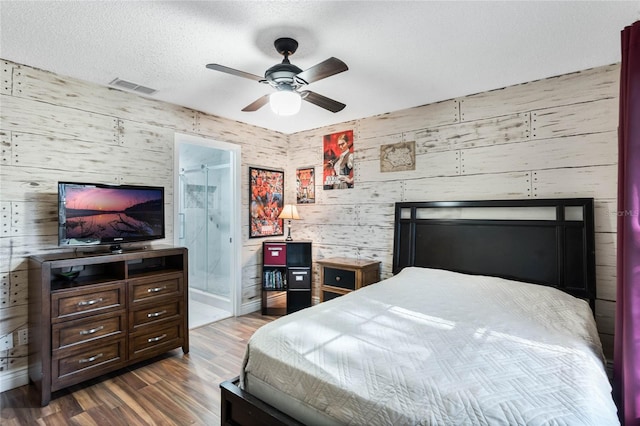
x: 205, y: 228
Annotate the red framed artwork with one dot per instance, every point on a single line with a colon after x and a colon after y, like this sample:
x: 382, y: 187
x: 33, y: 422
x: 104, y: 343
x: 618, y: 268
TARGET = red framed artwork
x: 305, y: 185
x: 338, y: 160
x: 266, y: 189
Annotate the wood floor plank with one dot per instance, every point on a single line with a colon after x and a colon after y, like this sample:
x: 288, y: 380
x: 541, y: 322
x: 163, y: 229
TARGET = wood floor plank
x: 172, y: 389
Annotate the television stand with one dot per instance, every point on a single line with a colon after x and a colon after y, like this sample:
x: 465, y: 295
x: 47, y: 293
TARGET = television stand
x: 117, y: 310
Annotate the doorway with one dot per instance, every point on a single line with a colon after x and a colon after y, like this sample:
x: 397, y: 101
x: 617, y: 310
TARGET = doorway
x: 206, y: 222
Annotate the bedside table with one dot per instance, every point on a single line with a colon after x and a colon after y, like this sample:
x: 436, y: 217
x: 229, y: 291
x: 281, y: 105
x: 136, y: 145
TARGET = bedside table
x: 339, y: 275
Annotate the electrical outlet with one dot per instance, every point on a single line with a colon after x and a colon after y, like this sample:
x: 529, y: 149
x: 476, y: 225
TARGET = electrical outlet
x: 6, y: 342
x: 23, y: 336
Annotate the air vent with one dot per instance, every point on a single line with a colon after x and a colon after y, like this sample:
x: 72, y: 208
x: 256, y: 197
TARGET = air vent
x: 124, y: 84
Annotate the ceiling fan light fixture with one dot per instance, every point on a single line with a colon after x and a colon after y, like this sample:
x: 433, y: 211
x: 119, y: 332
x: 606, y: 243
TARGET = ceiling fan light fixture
x: 285, y: 102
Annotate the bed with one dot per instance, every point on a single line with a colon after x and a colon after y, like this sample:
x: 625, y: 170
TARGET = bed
x: 488, y: 319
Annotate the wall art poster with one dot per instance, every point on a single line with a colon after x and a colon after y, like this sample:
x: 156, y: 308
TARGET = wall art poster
x: 305, y: 185
x: 266, y: 189
x: 398, y: 157
x: 338, y: 160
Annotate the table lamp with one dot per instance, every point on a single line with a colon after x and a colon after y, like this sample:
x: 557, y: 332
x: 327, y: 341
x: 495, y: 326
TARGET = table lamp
x: 289, y: 212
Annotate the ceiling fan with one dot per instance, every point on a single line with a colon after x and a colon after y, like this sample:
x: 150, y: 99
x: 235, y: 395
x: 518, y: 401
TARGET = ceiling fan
x: 287, y: 79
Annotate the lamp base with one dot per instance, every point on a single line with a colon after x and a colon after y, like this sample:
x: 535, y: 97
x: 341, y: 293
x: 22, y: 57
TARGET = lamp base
x: 289, y: 231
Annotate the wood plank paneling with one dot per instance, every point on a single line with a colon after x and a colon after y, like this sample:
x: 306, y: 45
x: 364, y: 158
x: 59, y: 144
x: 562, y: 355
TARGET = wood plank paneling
x: 477, y: 187
x: 32, y: 217
x: 5, y: 219
x: 14, y: 317
x: 597, y: 182
x: 606, y: 280
x: 541, y: 154
x: 431, y: 115
x: 310, y: 139
x: 584, y: 86
x: 145, y: 136
x: 576, y: 119
x: 239, y: 133
x: 82, y: 96
x: 428, y: 164
x: 47, y: 152
x: 6, y: 73
x: 17, y: 293
x: 605, y: 316
x: 606, y: 216
x: 5, y: 285
x: 28, y: 116
x: 54, y: 128
x: 606, y: 244
x: 491, y: 131
x: 549, y: 138
x: 5, y: 149
x: 34, y: 183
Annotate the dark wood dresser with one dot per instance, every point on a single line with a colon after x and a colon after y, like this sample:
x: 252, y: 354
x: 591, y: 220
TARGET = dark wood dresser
x: 93, y: 313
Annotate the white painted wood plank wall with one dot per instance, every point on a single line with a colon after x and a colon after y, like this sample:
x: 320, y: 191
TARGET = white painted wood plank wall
x: 550, y: 138
x: 54, y: 128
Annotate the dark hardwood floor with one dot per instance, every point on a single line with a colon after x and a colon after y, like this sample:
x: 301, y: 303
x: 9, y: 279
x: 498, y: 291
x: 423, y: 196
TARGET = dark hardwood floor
x: 173, y: 389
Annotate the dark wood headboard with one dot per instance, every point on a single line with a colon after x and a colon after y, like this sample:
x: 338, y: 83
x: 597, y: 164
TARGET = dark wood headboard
x: 541, y: 241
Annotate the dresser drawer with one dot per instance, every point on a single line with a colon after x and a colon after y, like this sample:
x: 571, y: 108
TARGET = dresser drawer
x: 71, y: 333
x: 72, y: 367
x: 149, y: 289
x: 83, y: 301
x: 157, y: 340
x: 339, y: 278
x: 156, y: 312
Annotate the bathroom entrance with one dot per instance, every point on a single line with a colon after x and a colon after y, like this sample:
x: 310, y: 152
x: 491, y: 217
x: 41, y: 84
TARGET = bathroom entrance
x: 207, y: 224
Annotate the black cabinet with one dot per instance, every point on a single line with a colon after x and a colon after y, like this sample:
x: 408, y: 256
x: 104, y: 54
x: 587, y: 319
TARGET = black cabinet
x: 286, y: 276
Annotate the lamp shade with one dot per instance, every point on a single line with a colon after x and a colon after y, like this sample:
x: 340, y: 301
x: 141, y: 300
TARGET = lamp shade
x: 289, y: 211
x: 285, y: 102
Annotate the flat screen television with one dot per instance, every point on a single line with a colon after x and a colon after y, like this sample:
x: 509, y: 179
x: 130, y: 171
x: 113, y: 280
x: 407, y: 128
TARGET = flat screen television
x: 91, y: 213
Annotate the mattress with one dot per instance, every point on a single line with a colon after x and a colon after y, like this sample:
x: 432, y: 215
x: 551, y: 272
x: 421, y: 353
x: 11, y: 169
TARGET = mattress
x: 434, y: 347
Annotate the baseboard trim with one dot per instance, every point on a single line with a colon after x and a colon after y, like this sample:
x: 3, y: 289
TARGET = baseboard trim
x: 14, y: 379
x: 250, y: 307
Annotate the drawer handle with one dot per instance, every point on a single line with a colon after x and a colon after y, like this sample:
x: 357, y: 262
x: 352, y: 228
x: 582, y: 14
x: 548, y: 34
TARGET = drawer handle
x: 338, y: 278
x: 155, y: 339
x: 90, y: 302
x: 156, y: 314
x: 156, y: 289
x: 90, y: 359
x: 91, y: 331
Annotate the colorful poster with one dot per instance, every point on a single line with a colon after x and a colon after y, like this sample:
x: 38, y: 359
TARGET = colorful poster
x: 266, y: 189
x: 305, y: 185
x: 338, y: 160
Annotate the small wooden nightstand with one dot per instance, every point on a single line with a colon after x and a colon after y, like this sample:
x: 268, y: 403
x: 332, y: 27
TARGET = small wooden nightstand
x: 340, y: 275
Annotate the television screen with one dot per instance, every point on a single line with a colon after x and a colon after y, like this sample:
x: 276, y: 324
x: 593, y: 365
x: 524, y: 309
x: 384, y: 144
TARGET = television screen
x: 109, y: 214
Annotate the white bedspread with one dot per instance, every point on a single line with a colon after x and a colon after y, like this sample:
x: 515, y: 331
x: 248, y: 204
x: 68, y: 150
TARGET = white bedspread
x: 434, y: 347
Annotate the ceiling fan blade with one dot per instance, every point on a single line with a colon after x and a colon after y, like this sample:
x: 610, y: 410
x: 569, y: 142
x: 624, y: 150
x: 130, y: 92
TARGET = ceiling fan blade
x: 257, y: 104
x: 331, y: 66
x: 232, y: 71
x: 322, y: 101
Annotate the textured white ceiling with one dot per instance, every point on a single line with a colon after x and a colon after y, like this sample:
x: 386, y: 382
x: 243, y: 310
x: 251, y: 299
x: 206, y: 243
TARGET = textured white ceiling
x: 400, y: 54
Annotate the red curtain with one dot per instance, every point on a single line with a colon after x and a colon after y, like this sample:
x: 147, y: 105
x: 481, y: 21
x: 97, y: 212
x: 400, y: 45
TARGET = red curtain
x: 627, y: 332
